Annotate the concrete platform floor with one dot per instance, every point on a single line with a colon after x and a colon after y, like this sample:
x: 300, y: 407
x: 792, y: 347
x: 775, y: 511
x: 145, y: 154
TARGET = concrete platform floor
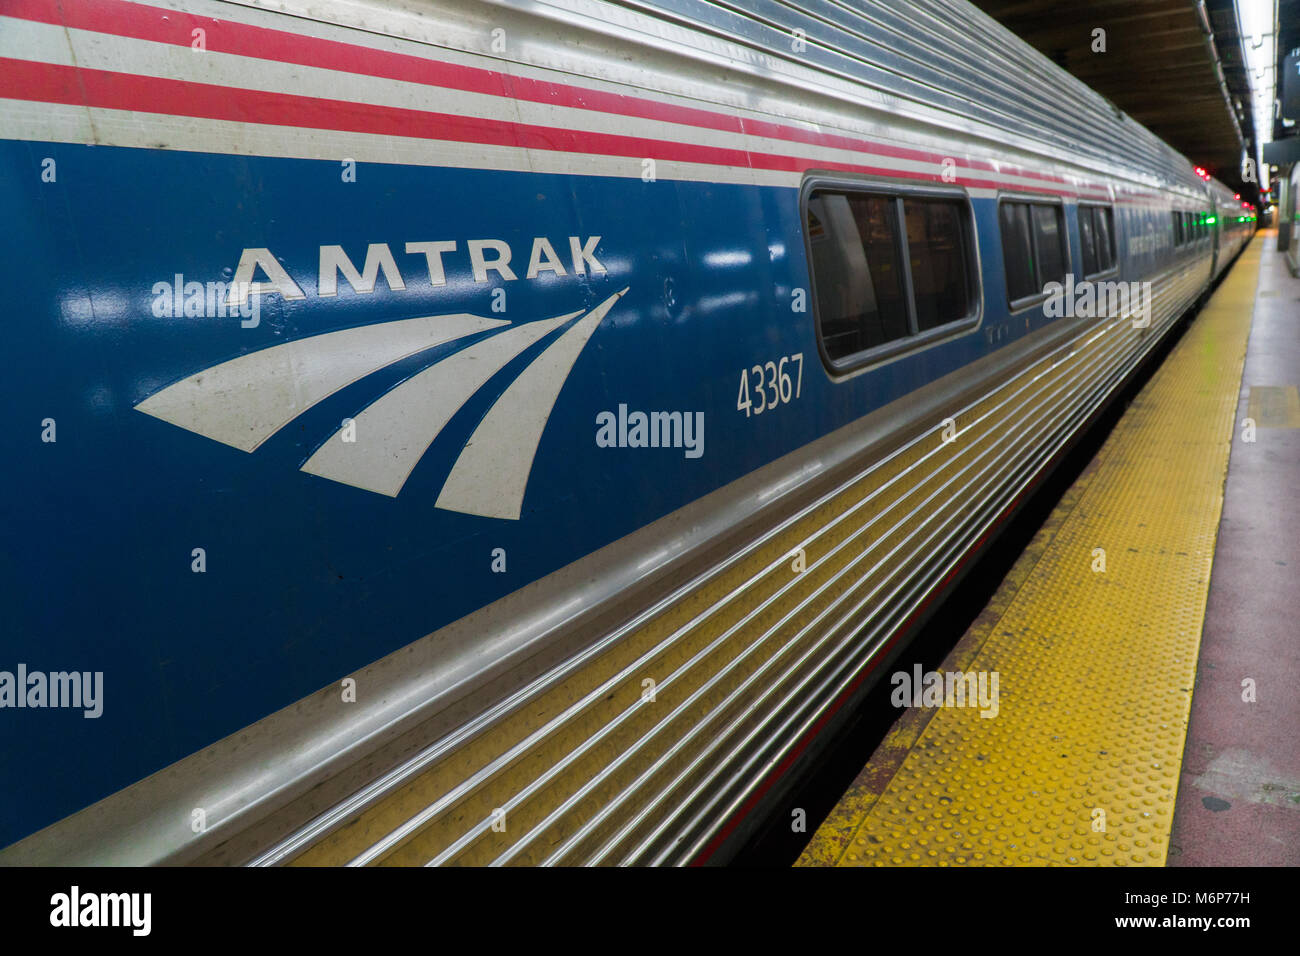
x: 1239, y: 789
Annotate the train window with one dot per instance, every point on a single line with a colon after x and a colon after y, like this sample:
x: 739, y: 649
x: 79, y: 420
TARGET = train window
x: 1097, y: 237
x: 1087, y: 241
x: 1049, y: 241
x: 941, y: 283
x: 1033, y: 247
x: 1018, y: 251
x: 1178, y: 228
x: 1105, y: 220
x: 857, y: 273
x: 889, y: 266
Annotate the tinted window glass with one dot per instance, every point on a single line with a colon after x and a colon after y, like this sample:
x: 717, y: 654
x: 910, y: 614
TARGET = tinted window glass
x: 861, y: 300
x: 1105, y: 237
x: 1178, y: 228
x: 937, y: 255
x: 1050, y: 243
x: 1018, y: 250
x: 1087, y: 241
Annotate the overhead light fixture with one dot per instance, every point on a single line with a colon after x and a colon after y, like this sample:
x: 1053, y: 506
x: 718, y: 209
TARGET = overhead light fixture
x: 1257, y: 23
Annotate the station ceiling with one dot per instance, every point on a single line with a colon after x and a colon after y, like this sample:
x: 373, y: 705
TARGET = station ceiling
x: 1159, y: 66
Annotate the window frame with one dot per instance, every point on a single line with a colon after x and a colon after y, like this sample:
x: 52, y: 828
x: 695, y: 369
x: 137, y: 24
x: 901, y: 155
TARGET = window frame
x: 1114, y: 239
x: 915, y: 340
x: 1015, y: 306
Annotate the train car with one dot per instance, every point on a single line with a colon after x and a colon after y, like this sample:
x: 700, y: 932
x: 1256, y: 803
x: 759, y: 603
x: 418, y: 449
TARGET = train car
x: 1232, y: 223
x: 519, y: 432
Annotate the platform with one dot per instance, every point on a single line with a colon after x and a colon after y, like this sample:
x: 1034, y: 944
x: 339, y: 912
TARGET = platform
x: 1094, y: 638
x: 1239, y: 792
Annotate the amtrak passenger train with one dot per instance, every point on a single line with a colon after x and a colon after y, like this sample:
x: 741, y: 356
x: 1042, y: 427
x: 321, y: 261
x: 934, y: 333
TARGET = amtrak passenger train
x: 449, y: 432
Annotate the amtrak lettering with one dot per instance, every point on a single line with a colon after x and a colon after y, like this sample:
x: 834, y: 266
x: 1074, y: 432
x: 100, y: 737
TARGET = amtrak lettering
x: 484, y: 256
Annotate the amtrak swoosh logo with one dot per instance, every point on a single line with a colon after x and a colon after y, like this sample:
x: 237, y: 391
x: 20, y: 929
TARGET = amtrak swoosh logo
x: 246, y: 400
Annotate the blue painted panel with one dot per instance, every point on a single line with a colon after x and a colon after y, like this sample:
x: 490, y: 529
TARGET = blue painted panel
x: 308, y: 579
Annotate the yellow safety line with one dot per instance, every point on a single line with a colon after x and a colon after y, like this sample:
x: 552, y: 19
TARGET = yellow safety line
x: 1093, y: 637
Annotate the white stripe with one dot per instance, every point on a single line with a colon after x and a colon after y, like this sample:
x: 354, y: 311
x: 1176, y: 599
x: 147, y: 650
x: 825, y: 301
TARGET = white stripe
x: 491, y: 474
x: 41, y: 42
x: 46, y: 43
x: 246, y: 400
x: 393, y: 434
x: 48, y: 122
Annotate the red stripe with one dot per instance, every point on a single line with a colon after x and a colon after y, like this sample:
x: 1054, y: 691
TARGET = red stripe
x: 142, y: 22
x: 52, y: 83
x: 23, y: 79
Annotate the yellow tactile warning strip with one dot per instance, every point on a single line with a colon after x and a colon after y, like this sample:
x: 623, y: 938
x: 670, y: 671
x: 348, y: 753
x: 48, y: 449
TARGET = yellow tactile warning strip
x: 1093, y: 637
